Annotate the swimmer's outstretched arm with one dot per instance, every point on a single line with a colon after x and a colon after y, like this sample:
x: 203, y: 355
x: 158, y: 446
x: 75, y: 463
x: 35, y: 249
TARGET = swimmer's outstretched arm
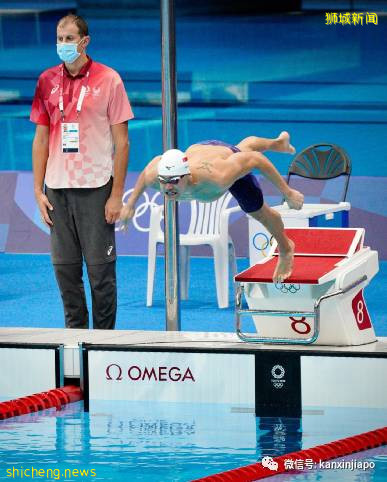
x: 147, y: 178
x: 127, y: 211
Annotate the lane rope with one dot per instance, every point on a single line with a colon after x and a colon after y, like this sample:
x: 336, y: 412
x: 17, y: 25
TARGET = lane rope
x: 320, y: 453
x: 40, y: 401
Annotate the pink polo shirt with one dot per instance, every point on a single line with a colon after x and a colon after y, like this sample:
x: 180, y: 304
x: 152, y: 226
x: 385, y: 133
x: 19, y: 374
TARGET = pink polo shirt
x: 105, y: 104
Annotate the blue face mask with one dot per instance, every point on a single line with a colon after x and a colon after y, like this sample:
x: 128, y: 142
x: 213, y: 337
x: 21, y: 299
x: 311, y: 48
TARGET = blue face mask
x: 68, y: 52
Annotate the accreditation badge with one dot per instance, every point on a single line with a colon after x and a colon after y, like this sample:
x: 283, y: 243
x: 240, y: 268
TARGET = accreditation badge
x: 70, y: 136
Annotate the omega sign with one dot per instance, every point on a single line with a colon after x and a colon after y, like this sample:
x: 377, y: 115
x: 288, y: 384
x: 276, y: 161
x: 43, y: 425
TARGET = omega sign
x: 137, y: 373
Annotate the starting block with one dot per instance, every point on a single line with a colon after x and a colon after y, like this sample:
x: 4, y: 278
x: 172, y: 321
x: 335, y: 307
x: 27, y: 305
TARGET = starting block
x: 322, y: 301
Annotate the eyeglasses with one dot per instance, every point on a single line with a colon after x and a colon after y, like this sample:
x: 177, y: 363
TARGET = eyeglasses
x: 169, y: 180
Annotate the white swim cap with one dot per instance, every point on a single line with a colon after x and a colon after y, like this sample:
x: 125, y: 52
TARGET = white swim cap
x: 173, y: 163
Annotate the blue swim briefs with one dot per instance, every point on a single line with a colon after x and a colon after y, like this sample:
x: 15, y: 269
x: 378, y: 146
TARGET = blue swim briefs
x: 245, y: 190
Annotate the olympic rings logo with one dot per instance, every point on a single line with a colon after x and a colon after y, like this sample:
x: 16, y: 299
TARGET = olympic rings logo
x: 278, y: 385
x: 287, y: 288
x: 261, y: 242
x: 141, y: 209
x: 278, y: 373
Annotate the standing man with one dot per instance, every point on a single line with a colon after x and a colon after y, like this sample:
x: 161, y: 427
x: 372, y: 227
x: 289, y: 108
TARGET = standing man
x: 80, y: 156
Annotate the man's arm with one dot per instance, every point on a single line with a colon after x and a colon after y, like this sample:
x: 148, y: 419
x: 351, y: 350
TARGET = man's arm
x: 147, y: 178
x: 39, y: 163
x: 121, y: 152
x: 241, y: 163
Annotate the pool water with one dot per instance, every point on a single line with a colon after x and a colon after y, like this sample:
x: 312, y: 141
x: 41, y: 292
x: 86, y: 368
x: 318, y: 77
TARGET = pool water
x: 130, y: 441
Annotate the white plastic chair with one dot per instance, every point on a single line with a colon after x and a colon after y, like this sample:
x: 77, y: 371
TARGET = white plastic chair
x: 208, y: 225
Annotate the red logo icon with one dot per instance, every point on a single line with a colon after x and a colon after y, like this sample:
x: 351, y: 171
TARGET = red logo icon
x: 300, y: 326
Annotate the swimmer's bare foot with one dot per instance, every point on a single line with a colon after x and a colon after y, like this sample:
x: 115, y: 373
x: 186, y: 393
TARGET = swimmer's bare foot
x: 285, y: 264
x: 295, y: 199
x: 283, y: 143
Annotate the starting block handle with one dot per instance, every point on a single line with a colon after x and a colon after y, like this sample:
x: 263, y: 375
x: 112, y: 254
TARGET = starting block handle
x: 239, y: 312
x: 277, y: 313
x: 340, y: 292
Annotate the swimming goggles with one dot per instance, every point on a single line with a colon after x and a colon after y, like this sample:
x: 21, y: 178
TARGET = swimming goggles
x: 169, y: 180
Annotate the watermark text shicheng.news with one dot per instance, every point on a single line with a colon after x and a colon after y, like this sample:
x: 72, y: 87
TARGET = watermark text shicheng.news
x: 56, y: 474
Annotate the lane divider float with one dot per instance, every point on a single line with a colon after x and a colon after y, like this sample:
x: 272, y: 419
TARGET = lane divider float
x: 40, y: 401
x: 320, y: 453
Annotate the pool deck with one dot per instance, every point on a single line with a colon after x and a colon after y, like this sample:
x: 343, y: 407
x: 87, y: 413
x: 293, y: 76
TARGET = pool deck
x: 131, y: 340
x: 168, y: 340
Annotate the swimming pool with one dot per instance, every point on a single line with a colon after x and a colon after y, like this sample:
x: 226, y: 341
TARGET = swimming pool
x: 131, y: 441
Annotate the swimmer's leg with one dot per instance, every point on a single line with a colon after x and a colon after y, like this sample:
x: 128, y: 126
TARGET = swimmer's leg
x: 272, y: 221
x: 262, y: 144
x: 248, y: 193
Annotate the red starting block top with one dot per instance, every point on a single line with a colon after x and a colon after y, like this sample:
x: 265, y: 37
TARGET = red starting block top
x: 317, y: 252
x: 306, y: 270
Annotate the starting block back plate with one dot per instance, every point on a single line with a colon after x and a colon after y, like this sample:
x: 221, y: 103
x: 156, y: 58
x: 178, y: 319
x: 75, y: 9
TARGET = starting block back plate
x: 324, y: 242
